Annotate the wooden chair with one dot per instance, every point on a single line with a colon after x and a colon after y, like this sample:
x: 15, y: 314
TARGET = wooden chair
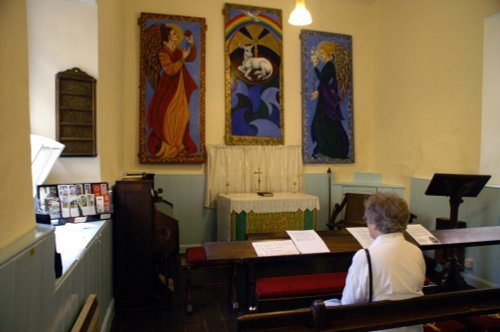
x: 353, y: 203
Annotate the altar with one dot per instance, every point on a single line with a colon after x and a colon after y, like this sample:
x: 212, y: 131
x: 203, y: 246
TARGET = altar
x: 240, y: 214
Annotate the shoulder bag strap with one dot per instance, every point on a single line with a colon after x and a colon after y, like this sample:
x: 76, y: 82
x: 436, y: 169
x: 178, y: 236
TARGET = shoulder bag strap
x: 370, y: 276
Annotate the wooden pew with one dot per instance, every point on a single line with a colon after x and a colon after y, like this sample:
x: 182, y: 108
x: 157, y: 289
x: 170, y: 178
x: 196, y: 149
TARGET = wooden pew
x: 340, y: 243
x: 286, y: 320
x: 377, y: 315
x: 297, y: 291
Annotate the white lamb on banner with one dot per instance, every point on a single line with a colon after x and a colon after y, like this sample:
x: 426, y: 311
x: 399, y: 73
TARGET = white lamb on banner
x: 261, y: 67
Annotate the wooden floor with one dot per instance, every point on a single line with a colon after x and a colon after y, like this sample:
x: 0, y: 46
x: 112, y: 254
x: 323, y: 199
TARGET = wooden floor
x: 211, y: 311
x: 211, y: 308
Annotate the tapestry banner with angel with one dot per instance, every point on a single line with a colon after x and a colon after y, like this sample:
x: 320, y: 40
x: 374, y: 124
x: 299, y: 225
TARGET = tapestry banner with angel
x: 327, y: 98
x: 254, y: 75
x: 172, y: 89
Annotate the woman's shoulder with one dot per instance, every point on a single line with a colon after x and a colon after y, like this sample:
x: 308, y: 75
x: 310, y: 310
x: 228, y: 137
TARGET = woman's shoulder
x: 360, y: 254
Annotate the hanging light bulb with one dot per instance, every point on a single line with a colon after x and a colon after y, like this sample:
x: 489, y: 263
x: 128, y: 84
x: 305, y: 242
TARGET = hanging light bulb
x: 300, y: 15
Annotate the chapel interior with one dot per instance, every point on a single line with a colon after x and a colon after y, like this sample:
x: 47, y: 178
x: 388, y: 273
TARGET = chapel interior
x: 425, y: 78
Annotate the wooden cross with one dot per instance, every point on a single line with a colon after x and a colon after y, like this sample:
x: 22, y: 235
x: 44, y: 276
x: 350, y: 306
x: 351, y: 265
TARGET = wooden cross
x: 258, y: 178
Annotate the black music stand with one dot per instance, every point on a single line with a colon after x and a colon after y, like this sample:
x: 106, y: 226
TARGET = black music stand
x: 456, y: 186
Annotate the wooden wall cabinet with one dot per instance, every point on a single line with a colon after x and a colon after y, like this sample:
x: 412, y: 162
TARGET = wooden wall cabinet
x: 76, y: 113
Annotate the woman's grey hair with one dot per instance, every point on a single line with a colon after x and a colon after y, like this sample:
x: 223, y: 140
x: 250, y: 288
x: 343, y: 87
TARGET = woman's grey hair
x: 388, y: 211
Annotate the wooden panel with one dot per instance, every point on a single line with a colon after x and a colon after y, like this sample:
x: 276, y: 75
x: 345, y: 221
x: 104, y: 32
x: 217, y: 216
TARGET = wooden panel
x: 88, y: 319
x: 133, y: 244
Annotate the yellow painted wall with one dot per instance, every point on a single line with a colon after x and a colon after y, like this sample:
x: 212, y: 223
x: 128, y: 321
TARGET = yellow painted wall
x: 428, y: 87
x: 53, y: 49
x: 110, y: 93
x: 346, y: 17
x: 490, y: 135
x: 16, y: 202
x: 417, y: 88
x: 417, y: 81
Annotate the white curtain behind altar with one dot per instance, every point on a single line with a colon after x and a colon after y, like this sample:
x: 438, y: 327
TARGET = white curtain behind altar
x: 232, y: 169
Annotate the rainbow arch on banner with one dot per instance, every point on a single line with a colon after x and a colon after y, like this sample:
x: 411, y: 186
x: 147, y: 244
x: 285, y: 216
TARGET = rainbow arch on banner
x: 233, y: 24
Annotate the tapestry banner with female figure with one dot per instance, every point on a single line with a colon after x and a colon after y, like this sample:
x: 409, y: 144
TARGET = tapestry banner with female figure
x: 254, y: 75
x: 327, y: 98
x: 172, y: 89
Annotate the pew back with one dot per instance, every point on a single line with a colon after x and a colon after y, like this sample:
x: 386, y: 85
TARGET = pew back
x: 287, y: 320
x: 419, y: 310
x: 377, y: 315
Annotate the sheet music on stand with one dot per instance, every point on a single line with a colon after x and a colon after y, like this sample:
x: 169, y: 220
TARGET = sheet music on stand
x: 301, y: 242
x: 362, y: 235
x: 420, y: 234
x: 275, y: 248
x: 308, y: 242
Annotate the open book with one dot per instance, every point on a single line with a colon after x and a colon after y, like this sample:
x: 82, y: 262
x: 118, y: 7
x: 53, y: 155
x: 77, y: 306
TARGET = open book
x: 301, y: 242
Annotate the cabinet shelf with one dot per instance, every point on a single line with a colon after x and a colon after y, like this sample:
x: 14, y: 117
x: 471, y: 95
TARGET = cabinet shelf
x: 73, y: 139
x: 76, y: 109
x: 76, y: 124
x: 76, y: 94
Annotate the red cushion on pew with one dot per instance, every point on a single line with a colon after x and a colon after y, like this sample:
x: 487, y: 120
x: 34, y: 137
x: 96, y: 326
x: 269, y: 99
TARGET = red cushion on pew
x: 483, y: 323
x: 195, y: 256
x: 296, y: 285
x: 445, y: 326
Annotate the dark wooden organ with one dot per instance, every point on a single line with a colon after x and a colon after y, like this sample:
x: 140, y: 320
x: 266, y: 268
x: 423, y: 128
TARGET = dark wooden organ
x: 145, y: 245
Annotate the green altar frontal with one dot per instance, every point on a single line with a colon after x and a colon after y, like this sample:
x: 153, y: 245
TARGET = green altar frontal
x: 249, y: 223
x: 240, y: 214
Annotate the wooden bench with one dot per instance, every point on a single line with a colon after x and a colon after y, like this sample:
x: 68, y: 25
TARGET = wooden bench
x: 286, y: 292
x: 377, y: 315
x: 296, y: 291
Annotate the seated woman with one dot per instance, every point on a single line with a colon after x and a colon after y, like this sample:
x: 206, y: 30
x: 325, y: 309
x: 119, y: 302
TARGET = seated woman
x: 397, y: 266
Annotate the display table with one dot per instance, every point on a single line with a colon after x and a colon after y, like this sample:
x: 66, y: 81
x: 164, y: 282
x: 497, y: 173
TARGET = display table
x: 247, y: 213
x: 73, y: 239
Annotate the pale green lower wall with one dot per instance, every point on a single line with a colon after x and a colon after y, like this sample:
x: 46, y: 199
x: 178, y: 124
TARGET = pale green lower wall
x: 479, y: 211
x: 198, y: 224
